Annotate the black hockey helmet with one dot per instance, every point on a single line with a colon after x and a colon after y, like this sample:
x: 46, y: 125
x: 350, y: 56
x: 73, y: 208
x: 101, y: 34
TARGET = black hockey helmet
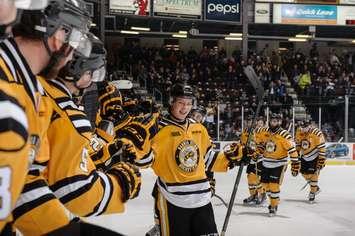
x: 95, y: 63
x: 200, y: 109
x: 15, y: 7
x: 70, y: 15
x: 181, y: 90
x: 275, y: 116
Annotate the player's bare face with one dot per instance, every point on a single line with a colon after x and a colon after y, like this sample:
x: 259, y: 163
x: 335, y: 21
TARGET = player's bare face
x: 274, y: 123
x: 181, y: 107
x: 85, y: 80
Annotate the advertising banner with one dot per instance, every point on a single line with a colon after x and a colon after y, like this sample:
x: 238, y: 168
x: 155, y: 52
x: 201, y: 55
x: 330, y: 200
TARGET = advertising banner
x: 275, y: 0
x: 334, y: 151
x: 347, y: 2
x: 346, y: 15
x: 262, y: 13
x: 178, y: 8
x: 133, y: 7
x: 339, y: 151
x: 305, y: 14
x: 223, y: 10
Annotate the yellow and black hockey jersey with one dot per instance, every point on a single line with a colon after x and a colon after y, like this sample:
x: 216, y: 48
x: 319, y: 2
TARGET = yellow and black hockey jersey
x: 30, y: 95
x: 182, y: 152
x: 71, y: 173
x: 310, y: 144
x: 279, y: 145
x: 14, y: 149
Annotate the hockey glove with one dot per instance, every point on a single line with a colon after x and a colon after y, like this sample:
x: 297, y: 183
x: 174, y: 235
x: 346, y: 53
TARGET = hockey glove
x: 320, y: 163
x: 234, y: 153
x: 212, y: 180
x: 295, y: 168
x: 213, y: 185
x: 121, y: 150
x: 110, y: 100
x: 140, y: 131
x: 129, y: 179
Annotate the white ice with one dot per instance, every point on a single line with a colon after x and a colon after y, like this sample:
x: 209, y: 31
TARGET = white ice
x: 332, y: 214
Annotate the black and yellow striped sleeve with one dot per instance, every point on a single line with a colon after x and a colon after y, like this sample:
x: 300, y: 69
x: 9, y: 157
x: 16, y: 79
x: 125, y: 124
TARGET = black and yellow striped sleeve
x: 13, y: 122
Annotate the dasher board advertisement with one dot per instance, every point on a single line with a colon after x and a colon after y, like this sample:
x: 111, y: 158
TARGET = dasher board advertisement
x: 223, y: 10
x: 131, y: 7
x: 178, y: 8
x: 305, y: 14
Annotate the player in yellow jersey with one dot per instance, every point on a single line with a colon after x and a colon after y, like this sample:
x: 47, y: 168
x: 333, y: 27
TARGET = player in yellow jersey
x: 39, y: 39
x: 182, y: 152
x: 70, y: 172
x: 14, y: 145
x: 278, y: 147
x: 257, y: 192
x: 311, y: 148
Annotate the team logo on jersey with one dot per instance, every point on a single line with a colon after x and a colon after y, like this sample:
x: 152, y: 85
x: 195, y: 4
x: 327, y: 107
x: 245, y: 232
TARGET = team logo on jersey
x: 252, y: 145
x: 305, y: 144
x: 187, y: 155
x: 270, y: 146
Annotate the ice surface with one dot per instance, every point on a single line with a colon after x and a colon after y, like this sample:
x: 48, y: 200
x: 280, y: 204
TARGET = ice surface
x: 332, y: 214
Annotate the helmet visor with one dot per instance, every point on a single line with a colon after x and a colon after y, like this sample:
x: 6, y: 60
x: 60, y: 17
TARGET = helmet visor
x: 80, y: 42
x: 99, y: 74
x: 31, y: 4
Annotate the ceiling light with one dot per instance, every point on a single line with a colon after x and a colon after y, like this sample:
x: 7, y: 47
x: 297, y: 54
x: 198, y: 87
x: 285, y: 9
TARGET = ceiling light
x: 233, y: 38
x: 304, y: 36
x: 140, y: 28
x: 129, y: 32
x: 297, y: 39
x: 182, y: 32
x: 353, y: 41
x: 179, y: 35
x: 236, y: 34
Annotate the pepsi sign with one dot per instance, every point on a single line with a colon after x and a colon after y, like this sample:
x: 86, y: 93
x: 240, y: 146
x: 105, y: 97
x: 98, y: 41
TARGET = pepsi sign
x: 223, y: 10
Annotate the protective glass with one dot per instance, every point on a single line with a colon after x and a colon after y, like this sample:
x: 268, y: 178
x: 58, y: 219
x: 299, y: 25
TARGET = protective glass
x: 31, y: 4
x: 99, y: 74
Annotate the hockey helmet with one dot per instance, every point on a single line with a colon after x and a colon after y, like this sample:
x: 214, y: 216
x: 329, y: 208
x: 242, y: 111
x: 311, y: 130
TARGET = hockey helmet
x: 10, y: 16
x: 181, y: 90
x: 95, y: 63
x: 70, y: 15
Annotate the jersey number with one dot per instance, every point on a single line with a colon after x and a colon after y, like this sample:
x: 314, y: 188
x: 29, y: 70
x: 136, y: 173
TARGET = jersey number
x: 5, y: 195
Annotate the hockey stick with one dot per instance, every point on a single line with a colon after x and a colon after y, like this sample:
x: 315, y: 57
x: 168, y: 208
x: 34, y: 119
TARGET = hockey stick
x: 221, y: 199
x: 255, y: 82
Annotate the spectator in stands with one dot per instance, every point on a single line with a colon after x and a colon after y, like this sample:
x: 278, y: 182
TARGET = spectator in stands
x: 304, y: 82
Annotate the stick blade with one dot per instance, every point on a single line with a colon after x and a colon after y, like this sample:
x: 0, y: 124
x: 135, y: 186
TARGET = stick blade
x: 255, y: 81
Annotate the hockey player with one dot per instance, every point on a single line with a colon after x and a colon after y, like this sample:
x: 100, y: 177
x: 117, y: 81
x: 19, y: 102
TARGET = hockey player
x: 199, y: 114
x: 278, y: 146
x: 256, y: 190
x: 17, y: 123
x: 311, y: 148
x: 70, y: 171
x: 9, y: 14
x: 182, y: 152
x: 61, y: 25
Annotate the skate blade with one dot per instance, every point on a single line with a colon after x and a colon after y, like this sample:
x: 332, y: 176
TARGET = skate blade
x: 272, y: 214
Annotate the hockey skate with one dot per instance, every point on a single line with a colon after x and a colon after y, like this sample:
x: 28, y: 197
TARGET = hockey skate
x: 154, y: 231
x: 261, y: 199
x: 251, y: 200
x: 312, y: 196
x: 272, y: 211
